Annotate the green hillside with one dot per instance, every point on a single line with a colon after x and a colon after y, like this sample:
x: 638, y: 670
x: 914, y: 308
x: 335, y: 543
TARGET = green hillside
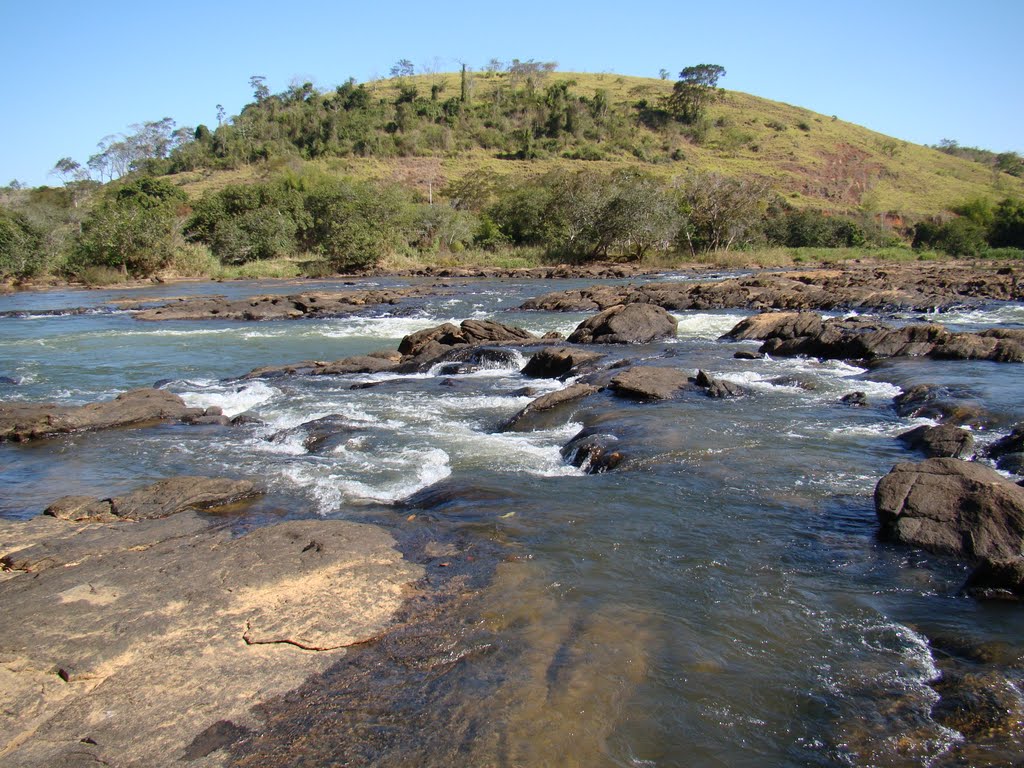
x: 812, y: 160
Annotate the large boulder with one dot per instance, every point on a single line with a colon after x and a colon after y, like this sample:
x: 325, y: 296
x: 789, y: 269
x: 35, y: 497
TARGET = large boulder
x: 28, y: 421
x: 648, y: 382
x: 593, y: 451
x: 953, y: 507
x: 556, y: 362
x: 626, y: 324
x: 423, y: 347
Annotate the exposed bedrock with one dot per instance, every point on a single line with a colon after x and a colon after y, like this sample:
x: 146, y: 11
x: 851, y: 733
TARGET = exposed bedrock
x: 156, y: 640
x: 911, y: 287
x: 806, y: 333
x: 945, y: 441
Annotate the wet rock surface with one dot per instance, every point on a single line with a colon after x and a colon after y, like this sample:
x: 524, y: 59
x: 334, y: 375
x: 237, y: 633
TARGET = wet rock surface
x: 540, y: 413
x: 20, y: 422
x: 173, y: 629
x: 559, y: 362
x: 954, y: 507
x: 1000, y: 579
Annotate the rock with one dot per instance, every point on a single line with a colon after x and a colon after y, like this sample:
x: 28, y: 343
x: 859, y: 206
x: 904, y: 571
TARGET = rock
x: 8, y: 380
x: 745, y: 354
x: 424, y: 347
x: 626, y: 324
x: 978, y: 704
x: 161, y: 499
x: 138, y: 647
x: 805, y: 333
x: 593, y: 451
x: 372, y: 363
x: 28, y: 421
x: 556, y: 362
x: 717, y: 388
x: 648, y: 382
x: 952, y: 507
x: 1012, y: 463
x: 937, y: 442
x: 997, y: 579
x: 528, y: 417
x: 856, y: 399
x: 1009, y: 444
x: 933, y: 402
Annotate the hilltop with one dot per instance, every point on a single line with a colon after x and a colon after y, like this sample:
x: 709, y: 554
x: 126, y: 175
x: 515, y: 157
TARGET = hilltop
x: 811, y: 160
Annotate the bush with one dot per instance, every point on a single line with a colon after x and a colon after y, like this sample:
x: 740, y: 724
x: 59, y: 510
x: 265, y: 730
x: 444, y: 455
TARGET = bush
x: 958, y: 237
x: 20, y: 245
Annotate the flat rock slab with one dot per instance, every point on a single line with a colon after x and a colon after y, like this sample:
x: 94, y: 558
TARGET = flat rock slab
x: 649, y: 383
x: 952, y: 507
x: 153, y: 633
x: 28, y: 421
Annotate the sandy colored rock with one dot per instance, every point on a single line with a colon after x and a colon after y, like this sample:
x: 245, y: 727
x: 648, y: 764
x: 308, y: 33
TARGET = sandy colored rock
x: 154, y: 632
x: 526, y: 419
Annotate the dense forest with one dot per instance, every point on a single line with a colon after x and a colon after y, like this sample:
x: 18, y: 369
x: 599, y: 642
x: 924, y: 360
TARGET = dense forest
x: 600, y: 173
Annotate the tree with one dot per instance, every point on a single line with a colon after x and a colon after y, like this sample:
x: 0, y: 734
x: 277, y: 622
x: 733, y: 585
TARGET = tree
x: 719, y: 212
x: 1008, y: 225
x: 696, y: 88
x: 663, y: 74
x: 260, y: 91
x: 135, y: 228
x: 20, y: 245
x: 403, y: 68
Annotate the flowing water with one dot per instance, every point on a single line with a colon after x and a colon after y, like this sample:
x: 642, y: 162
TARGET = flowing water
x: 719, y: 600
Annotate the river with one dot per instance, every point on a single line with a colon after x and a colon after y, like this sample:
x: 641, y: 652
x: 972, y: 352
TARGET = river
x: 720, y: 599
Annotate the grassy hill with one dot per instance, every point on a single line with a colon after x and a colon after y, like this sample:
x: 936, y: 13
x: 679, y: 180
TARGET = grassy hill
x: 812, y: 160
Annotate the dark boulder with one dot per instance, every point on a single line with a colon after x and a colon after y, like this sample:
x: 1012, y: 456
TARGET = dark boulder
x: 537, y: 415
x: 648, y: 382
x: 746, y: 354
x: 717, y: 388
x: 946, y: 441
x: 593, y: 451
x: 556, y: 362
x: 1006, y: 447
x: 951, y: 507
x: 997, y: 579
x: 855, y: 399
x: 930, y: 401
x: 626, y: 324
x: 425, y: 347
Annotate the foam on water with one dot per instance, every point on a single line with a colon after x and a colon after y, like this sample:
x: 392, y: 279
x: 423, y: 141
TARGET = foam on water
x: 706, y: 325
x: 233, y: 399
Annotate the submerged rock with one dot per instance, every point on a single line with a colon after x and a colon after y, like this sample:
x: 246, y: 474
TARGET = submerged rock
x: 1008, y: 451
x: 946, y: 441
x: 593, y: 451
x: 533, y: 416
x: 28, y: 421
x: 626, y: 324
x: 952, y: 507
x: 997, y: 579
x: 717, y: 388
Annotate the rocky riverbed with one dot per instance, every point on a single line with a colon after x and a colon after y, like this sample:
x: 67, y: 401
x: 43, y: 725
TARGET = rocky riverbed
x: 504, y: 536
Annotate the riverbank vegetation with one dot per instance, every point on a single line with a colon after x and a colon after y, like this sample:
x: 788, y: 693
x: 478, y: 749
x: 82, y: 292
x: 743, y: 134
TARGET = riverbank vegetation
x: 515, y: 165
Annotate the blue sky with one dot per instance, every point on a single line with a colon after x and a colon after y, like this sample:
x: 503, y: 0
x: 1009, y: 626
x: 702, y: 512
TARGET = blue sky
x: 920, y: 71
